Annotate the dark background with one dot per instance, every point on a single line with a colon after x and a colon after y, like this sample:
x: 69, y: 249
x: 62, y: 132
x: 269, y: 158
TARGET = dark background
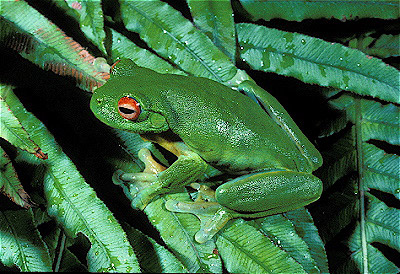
x: 64, y: 108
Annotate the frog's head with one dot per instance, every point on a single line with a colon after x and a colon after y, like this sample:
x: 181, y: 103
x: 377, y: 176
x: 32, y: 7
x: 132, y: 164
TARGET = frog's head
x: 124, y: 103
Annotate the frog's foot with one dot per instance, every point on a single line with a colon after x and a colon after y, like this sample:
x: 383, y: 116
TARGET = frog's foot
x: 143, y: 186
x: 212, y: 215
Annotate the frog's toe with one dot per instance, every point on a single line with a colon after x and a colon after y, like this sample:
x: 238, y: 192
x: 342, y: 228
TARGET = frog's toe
x: 116, y: 178
x: 142, y: 186
x: 142, y: 196
x: 210, y: 225
x: 139, y: 201
x: 211, y: 214
x: 192, y: 207
x: 136, y: 181
x: 139, y: 178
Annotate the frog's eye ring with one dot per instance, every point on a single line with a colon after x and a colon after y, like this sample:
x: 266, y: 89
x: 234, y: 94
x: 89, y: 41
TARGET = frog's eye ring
x: 128, y: 108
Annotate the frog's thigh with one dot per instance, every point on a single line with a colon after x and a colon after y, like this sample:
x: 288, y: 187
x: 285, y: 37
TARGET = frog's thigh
x: 269, y: 192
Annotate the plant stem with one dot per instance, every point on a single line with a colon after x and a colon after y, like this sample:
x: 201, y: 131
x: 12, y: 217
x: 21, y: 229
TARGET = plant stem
x: 361, y: 188
x: 60, y: 252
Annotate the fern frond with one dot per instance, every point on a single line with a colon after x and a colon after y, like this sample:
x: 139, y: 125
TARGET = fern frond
x: 372, y: 169
x: 339, y: 9
x: 43, y: 43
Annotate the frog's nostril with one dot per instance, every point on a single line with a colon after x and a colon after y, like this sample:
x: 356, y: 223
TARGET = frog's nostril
x: 99, y: 101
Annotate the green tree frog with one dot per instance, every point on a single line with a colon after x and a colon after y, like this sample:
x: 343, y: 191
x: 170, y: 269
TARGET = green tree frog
x: 267, y: 158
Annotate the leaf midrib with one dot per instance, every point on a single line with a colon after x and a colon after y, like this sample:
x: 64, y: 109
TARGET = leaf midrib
x: 358, y: 117
x: 19, y: 246
x: 248, y: 254
x: 58, y: 186
x: 11, y: 127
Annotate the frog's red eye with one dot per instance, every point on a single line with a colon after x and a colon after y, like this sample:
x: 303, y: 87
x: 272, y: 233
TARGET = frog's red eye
x: 128, y: 108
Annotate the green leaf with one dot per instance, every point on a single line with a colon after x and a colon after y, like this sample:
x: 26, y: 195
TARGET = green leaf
x: 10, y: 184
x: 44, y: 44
x: 178, y: 230
x: 315, y: 61
x: 246, y: 249
x: 175, y: 38
x: 380, y: 165
x: 379, y: 122
x: 381, y: 225
x: 280, y: 243
x: 305, y: 228
x: 122, y: 47
x: 313, y: 9
x: 281, y: 231
x: 11, y: 128
x: 386, y: 45
x: 74, y: 203
x: 153, y: 257
x: 366, y: 203
x: 89, y: 14
x: 215, y: 19
x: 21, y: 244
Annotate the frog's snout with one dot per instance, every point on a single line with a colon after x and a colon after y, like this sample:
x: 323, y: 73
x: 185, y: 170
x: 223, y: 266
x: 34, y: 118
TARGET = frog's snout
x: 95, y: 103
x: 99, y: 101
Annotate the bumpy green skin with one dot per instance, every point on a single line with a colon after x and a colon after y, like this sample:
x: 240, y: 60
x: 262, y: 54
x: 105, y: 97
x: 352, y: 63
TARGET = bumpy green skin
x: 261, y: 146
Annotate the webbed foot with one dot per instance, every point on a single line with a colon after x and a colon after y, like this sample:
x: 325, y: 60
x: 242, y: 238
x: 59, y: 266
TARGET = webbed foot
x: 212, y: 215
x: 143, y: 186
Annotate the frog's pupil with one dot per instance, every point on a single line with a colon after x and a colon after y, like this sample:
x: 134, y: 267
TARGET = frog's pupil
x: 126, y: 110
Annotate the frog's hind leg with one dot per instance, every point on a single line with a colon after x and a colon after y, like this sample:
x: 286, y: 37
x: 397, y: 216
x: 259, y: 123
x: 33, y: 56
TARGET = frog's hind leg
x: 249, y: 196
x: 282, y: 118
x: 267, y: 193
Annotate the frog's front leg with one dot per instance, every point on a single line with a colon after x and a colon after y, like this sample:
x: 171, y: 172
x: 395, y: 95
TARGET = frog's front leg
x: 156, y: 179
x: 251, y: 196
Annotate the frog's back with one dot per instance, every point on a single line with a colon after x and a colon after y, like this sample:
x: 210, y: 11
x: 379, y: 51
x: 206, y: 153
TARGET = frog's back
x: 226, y: 128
